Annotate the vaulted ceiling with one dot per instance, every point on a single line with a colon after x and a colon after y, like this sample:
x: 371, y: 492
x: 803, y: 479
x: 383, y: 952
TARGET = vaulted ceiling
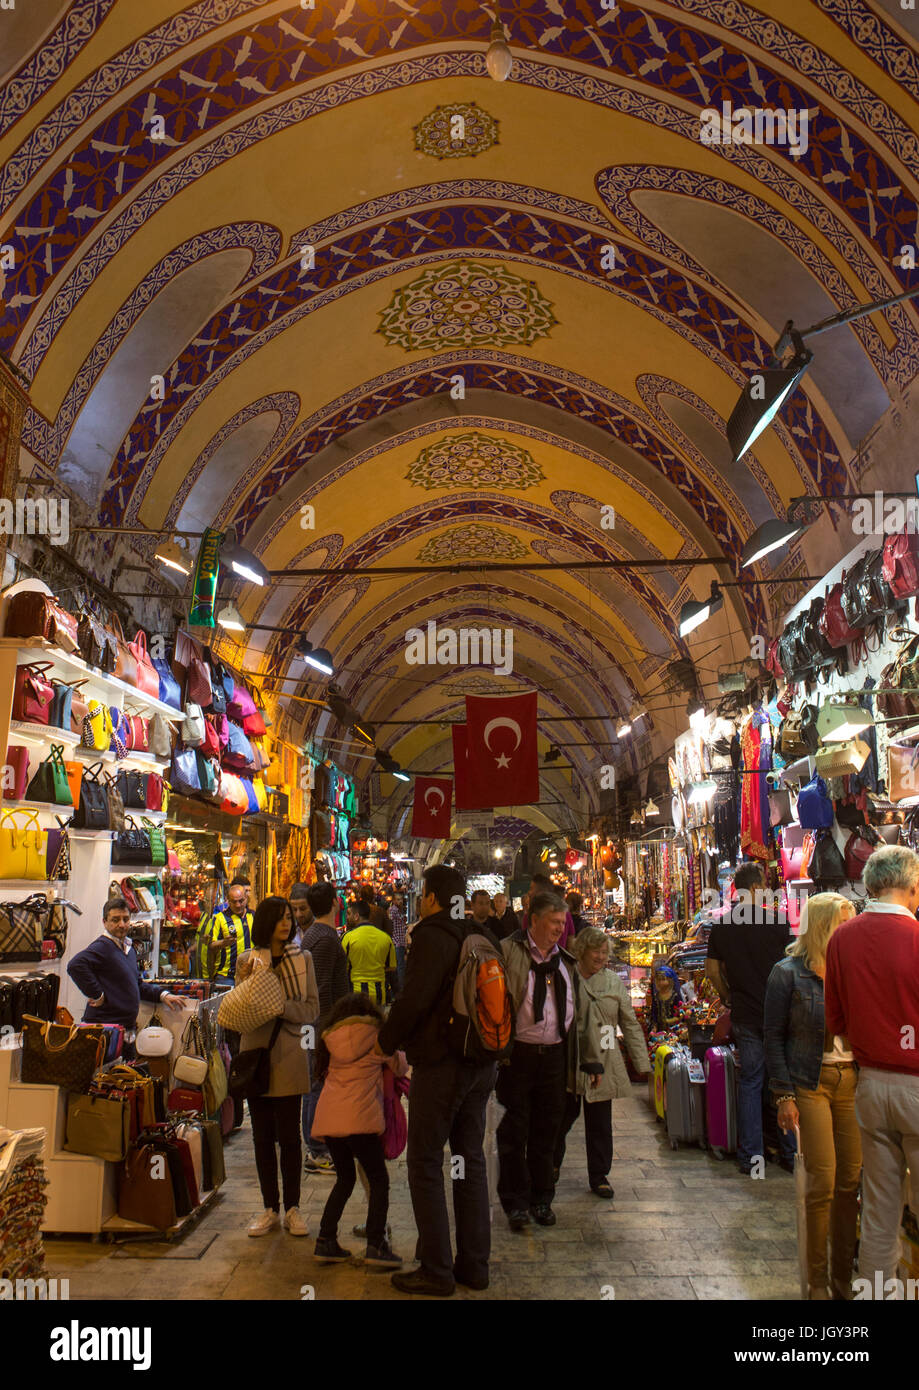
x: 269, y: 207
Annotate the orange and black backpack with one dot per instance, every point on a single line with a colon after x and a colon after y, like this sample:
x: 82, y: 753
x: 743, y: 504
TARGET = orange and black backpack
x: 481, y: 1020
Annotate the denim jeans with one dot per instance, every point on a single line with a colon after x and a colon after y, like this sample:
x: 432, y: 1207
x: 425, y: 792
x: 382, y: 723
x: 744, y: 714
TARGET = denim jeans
x: 308, y: 1110
x: 751, y: 1095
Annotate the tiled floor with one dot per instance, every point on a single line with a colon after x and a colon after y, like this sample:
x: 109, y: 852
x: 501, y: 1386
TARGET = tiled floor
x: 682, y: 1226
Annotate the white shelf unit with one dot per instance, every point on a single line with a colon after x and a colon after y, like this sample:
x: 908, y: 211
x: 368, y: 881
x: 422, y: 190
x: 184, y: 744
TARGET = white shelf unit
x: 99, y: 686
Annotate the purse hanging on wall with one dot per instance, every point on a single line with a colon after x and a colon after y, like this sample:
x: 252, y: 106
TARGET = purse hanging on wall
x: 50, y: 782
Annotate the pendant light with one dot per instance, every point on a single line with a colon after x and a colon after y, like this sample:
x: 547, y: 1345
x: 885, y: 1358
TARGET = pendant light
x: 499, y: 59
x: 229, y: 618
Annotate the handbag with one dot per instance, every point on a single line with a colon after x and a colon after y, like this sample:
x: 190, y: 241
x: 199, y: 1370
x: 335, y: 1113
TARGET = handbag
x: 902, y: 771
x: 23, y: 847
x: 827, y: 865
x: 125, y: 660
x: 221, y: 683
x: 156, y: 835
x: 32, y: 614
x: 240, y: 705
x: 138, y: 736
x: 191, y: 1065
x: 251, y: 798
x: 185, y: 1098
x: 169, y: 691
x: 842, y: 759
x: 146, y: 678
x: 33, y: 694
x: 99, y: 1126
x: 198, y: 685
x: 61, y: 714
x: 253, y: 1002
x: 184, y: 777
x: 159, y: 737
x: 815, y: 809
x: 781, y: 811
x: 92, y: 812
x: 238, y: 756
x: 50, y: 782
x: 116, y: 816
x: 859, y: 848
x: 899, y: 694
x: 154, y: 1040
x: 16, y: 772
x: 22, y: 929
x: 143, y: 1195
x: 153, y: 792
x: 395, y: 1132
x: 55, y: 1055
x: 232, y: 794
x: 58, y: 866
x: 121, y: 732
x: 250, y: 1071
x: 97, y: 644
x: 833, y: 624
x: 208, y: 775
x: 131, y: 845
x: 210, y: 745
x: 192, y: 730
x: 132, y: 788
x: 900, y: 565
x: 254, y: 724
x: 799, y: 737
x: 216, y: 1086
x: 97, y: 727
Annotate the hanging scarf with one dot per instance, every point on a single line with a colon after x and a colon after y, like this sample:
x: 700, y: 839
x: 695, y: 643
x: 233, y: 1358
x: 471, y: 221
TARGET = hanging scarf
x: 542, y: 971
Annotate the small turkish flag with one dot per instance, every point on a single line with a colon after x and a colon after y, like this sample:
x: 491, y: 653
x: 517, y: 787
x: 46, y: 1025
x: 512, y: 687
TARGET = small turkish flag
x: 461, y: 771
x: 431, y: 808
x: 502, y: 750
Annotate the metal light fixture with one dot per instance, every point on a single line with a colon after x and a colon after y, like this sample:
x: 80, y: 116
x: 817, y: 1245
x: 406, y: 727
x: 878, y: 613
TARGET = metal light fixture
x: 624, y: 728
x: 651, y: 809
x: 171, y: 554
x: 762, y: 398
x: 499, y: 59
x: 836, y: 723
x: 317, y: 657
x: 772, y: 535
x: 698, y: 611
x: 229, y: 618
x: 241, y: 561
x: 388, y: 764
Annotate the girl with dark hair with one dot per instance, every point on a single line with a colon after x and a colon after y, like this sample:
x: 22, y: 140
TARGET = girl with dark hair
x: 276, y: 1114
x: 349, y: 1117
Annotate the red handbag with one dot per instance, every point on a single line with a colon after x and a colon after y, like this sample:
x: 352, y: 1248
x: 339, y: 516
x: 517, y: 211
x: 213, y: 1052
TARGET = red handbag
x: 146, y: 679
x: 859, y: 848
x: 210, y: 748
x: 185, y: 1098
x: 154, y: 796
x: 198, y: 687
x: 16, y: 779
x: 138, y: 733
x: 33, y: 694
x: 254, y: 725
x: 900, y: 566
x: 832, y: 622
x: 773, y: 660
x: 30, y: 614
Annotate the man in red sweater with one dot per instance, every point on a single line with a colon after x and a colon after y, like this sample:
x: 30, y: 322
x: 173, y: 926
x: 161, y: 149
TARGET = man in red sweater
x: 872, y: 998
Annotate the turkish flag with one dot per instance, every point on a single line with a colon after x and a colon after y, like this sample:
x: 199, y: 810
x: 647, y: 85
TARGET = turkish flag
x: 502, y: 752
x: 431, y: 808
x: 461, y: 771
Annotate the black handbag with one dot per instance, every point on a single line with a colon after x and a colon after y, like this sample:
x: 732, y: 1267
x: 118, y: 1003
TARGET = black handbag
x: 97, y: 645
x: 250, y: 1071
x: 799, y: 737
x: 132, y: 787
x: 116, y: 814
x: 131, y: 845
x: 93, y: 810
x: 827, y: 866
x: 219, y: 672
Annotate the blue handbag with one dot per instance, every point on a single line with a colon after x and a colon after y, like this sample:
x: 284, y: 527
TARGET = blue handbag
x: 121, y: 732
x: 250, y: 794
x: 238, y: 755
x: 208, y: 774
x: 170, y: 693
x: 815, y: 809
x: 184, y: 777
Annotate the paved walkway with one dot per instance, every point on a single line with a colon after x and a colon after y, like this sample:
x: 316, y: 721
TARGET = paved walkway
x: 682, y: 1226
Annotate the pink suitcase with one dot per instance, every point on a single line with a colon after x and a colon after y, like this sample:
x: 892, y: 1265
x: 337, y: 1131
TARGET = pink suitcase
x: 721, y: 1099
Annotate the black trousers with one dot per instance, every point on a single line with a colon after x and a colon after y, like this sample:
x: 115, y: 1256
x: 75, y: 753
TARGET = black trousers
x: 532, y: 1090
x: 447, y: 1105
x: 367, y: 1149
x: 276, y: 1121
x: 598, y: 1132
x: 233, y: 1041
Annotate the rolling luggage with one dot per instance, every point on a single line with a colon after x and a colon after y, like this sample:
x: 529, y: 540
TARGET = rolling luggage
x: 684, y: 1103
x: 721, y: 1100
x: 660, y: 1066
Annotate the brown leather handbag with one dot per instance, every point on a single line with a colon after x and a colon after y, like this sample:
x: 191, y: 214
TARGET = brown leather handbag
x: 30, y: 614
x: 902, y: 771
x: 145, y: 1192
x: 125, y: 660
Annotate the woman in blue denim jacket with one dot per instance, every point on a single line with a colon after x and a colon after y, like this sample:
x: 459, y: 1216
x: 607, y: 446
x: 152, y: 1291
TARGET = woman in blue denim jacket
x: 813, y: 1078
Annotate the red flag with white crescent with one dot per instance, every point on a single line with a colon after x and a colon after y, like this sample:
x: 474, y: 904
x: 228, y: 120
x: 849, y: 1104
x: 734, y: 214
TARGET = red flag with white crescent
x: 460, y: 772
x: 502, y: 750
x: 431, y: 808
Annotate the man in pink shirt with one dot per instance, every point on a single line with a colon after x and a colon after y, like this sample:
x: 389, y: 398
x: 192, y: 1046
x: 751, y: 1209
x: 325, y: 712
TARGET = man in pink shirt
x: 543, y: 986
x: 541, y: 883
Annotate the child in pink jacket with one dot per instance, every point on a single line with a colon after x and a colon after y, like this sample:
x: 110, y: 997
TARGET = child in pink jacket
x: 349, y: 1117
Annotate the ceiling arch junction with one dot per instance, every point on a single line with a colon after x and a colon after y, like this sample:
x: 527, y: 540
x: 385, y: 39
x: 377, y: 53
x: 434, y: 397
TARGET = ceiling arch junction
x: 260, y: 281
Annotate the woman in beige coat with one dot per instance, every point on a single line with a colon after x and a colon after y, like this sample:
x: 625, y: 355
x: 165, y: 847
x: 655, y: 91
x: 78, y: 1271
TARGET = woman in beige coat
x: 603, y: 1006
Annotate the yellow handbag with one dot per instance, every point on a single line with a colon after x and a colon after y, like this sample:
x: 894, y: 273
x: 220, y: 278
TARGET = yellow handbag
x: 97, y: 727
x: 23, y: 848
x: 261, y: 795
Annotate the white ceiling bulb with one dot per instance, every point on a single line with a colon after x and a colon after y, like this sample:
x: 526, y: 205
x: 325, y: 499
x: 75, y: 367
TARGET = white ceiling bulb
x: 499, y: 59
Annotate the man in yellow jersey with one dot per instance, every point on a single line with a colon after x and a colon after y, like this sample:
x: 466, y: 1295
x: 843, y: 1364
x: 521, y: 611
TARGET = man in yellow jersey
x: 371, y: 955
x: 228, y: 933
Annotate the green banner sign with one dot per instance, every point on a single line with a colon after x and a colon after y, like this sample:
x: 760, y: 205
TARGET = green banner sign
x: 207, y: 569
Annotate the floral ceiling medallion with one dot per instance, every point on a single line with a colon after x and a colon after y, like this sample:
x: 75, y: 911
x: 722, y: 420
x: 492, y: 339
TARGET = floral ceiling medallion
x: 473, y: 542
x: 472, y: 460
x: 466, y: 305
x: 462, y: 128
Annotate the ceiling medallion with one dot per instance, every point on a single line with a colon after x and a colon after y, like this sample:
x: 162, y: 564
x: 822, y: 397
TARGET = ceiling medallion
x: 472, y: 460
x: 473, y: 542
x: 466, y: 305
x: 461, y: 128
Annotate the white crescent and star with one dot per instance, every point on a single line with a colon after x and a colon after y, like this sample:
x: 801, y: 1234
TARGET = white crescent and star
x: 502, y: 723
x: 436, y: 791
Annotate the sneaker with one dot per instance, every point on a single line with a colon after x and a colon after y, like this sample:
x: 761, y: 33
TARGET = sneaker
x: 382, y: 1256
x: 261, y: 1225
x: 319, y: 1163
x: 295, y: 1224
x: 361, y: 1231
x: 329, y: 1252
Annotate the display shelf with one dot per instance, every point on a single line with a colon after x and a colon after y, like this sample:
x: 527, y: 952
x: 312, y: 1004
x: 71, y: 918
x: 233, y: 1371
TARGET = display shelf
x: 48, y: 733
x: 36, y: 884
x: 801, y: 767
x: 28, y: 654
x: 55, y: 807
x: 117, y: 1228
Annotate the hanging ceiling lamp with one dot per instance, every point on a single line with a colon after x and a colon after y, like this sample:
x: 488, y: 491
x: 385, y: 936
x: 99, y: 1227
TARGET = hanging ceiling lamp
x: 499, y: 59
x: 229, y: 618
x: 241, y: 561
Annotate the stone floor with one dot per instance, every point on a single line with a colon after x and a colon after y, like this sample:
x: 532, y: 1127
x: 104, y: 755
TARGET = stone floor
x: 682, y: 1226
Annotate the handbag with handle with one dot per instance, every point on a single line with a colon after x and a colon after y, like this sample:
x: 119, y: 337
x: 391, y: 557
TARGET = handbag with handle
x: 32, y: 614
x: 23, y: 845
x: 198, y: 685
x: 184, y: 777
x: 99, y: 1126
x: 144, y: 1195
x: 153, y: 792
x: 97, y: 727
x: 125, y: 660
x: 146, y: 678
x: 859, y: 848
x: 781, y: 810
x: 138, y: 733
x: 833, y: 622
x: 33, y: 693
x: 902, y: 771
x: 169, y: 692
x: 192, y: 730
x: 250, y: 1071
x: 16, y: 773
x: 255, y: 1000
x: 61, y: 712
x: 131, y: 845
x: 57, y: 860
x: 238, y: 756
x: 22, y: 930
x: 901, y: 563
x: 92, y: 813
x: 815, y: 809
x: 241, y: 705
x: 232, y: 794
x: 132, y: 786
x: 799, y: 737
x: 842, y: 759
x: 116, y: 815
x: 159, y: 737
x: 50, y: 782
x: 827, y: 866
x: 55, y: 1055
x: 121, y: 732
x: 97, y: 644
x: 156, y: 835
x: 191, y: 1065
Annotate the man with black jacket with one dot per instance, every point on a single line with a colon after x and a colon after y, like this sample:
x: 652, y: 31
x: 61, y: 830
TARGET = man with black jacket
x: 322, y: 942
x: 447, y: 1099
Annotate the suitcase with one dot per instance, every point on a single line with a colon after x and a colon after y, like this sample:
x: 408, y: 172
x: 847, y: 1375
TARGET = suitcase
x: 721, y: 1100
x: 660, y: 1066
x: 684, y: 1101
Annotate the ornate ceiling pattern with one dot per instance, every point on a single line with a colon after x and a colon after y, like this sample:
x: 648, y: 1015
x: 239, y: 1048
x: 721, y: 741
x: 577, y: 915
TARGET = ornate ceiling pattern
x: 372, y: 359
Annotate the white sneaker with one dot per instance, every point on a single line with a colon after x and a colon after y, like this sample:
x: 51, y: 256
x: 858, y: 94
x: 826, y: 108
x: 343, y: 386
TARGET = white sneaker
x: 261, y: 1225
x: 295, y: 1223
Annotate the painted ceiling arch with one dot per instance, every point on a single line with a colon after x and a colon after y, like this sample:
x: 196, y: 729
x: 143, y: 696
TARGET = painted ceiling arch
x: 587, y: 387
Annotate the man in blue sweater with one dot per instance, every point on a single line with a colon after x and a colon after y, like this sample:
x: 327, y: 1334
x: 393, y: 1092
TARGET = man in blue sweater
x: 108, y: 973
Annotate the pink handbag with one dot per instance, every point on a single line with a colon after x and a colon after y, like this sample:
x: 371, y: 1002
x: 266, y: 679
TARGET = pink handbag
x: 242, y: 706
x: 395, y: 1135
x: 145, y: 677
x: 17, y: 761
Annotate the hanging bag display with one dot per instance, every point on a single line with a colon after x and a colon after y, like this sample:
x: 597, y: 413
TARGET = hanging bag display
x: 815, y: 809
x: 232, y: 793
x: 208, y: 775
x: 833, y: 623
x: 184, y: 777
x: 240, y: 705
x: 33, y: 694
x: 23, y: 845
x: 55, y: 1055
x: 192, y: 730
x: 238, y: 756
x: 50, y: 782
x: 900, y: 565
x: 198, y: 685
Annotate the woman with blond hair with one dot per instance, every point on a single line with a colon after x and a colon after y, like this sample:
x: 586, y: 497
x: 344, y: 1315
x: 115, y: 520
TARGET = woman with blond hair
x: 603, y: 1006
x: 813, y: 1077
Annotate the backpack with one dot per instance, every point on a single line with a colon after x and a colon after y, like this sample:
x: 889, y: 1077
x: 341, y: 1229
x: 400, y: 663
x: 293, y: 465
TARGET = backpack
x: 481, y: 1021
